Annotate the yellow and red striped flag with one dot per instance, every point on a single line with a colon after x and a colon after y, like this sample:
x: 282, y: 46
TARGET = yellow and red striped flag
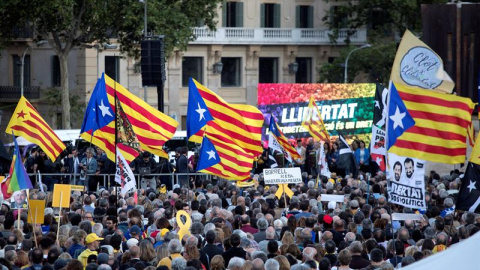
x: 151, y: 127
x: 235, y: 132
x: 27, y: 122
x: 439, y: 129
x: 313, y: 122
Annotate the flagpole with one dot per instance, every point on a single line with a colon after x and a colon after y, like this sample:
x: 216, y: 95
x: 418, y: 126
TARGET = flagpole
x: 115, y: 98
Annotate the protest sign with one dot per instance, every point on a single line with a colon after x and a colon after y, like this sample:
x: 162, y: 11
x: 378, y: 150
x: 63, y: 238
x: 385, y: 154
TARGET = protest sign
x: 282, y: 176
x: 61, y: 195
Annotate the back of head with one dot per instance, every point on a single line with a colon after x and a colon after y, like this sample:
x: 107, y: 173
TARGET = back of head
x: 272, y: 264
x: 376, y: 255
x: 324, y: 264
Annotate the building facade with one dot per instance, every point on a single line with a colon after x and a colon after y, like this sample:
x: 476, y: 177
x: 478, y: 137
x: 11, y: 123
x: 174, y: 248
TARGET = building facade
x: 256, y: 41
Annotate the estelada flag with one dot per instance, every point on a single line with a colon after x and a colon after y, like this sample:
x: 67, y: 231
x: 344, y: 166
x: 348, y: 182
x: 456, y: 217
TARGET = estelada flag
x: 417, y: 65
x: 235, y: 131
x: 152, y: 128
x: 27, y: 122
x: 428, y: 125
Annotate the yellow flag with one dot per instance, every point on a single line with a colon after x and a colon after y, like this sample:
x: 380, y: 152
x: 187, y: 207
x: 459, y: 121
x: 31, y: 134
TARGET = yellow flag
x: 313, y: 122
x: 417, y: 65
x: 475, y: 155
x: 27, y: 122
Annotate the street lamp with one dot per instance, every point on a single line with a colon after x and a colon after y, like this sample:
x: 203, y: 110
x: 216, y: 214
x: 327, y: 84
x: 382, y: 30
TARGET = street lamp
x: 39, y: 43
x: 348, y: 56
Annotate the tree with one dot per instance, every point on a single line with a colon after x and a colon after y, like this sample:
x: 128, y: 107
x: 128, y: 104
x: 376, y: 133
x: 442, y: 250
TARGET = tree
x: 67, y: 24
x: 382, y: 19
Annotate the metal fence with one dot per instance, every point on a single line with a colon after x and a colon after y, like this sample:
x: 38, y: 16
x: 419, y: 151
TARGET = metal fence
x: 107, y: 179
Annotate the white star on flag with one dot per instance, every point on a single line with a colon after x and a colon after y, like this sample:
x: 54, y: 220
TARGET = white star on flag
x: 471, y: 186
x: 377, y: 104
x: 378, y: 160
x: 397, y: 118
x: 105, y: 110
x: 211, y: 154
x: 201, y: 112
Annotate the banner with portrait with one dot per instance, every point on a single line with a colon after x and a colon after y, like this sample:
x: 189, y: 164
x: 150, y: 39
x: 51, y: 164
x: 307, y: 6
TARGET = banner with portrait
x: 19, y: 199
x: 406, y: 185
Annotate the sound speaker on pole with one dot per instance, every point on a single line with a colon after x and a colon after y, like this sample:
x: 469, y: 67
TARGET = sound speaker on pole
x: 153, y: 62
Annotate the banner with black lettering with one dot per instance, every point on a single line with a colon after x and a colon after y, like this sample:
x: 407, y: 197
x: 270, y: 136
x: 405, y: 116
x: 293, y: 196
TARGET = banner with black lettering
x: 124, y: 175
x: 406, y: 185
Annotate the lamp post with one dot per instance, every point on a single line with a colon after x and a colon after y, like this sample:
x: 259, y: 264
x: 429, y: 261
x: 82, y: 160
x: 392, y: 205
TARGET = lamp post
x: 348, y: 56
x: 40, y: 43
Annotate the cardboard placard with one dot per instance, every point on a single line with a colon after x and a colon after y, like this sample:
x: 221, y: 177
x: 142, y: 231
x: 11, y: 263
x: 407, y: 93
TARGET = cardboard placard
x: 282, y: 176
x: 61, y: 194
x: 36, y: 212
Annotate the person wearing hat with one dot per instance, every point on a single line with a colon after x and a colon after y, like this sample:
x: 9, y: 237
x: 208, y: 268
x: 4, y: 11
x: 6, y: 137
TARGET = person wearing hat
x: 92, y: 242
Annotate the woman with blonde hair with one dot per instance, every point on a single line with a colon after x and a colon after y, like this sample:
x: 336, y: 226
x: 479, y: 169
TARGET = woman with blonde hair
x: 217, y: 263
x: 147, y: 253
x: 283, y: 261
x: 162, y: 252
x: 287, y: 238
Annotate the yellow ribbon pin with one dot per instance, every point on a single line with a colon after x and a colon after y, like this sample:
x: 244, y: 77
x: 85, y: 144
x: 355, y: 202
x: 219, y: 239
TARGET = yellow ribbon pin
x: 184, y: 227
x: 283, y: 188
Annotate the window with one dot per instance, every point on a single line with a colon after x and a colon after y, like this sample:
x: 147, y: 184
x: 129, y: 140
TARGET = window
x: 232, y: 14
x: 192, y: 67
x: 231, y: 73
x: 304, y: 16
x: 56, y: 75
x: 268, y: 70
x: 112, y: 64
x: 304, y: 73
x: 270, y: 15
x: 338, y: 17
x: 17, y: 70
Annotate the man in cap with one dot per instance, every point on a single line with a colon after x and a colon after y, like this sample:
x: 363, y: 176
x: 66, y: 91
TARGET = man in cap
x: 92, y: 242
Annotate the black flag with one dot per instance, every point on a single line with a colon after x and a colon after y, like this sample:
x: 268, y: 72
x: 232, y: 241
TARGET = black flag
x: 271, y: 161
x: 346, y: 160
x: 380, y: 107
x: 469, y: 195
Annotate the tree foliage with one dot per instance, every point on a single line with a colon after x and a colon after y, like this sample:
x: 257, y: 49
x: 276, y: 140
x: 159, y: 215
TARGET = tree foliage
x: 384, y: 21
x: 67, y: 24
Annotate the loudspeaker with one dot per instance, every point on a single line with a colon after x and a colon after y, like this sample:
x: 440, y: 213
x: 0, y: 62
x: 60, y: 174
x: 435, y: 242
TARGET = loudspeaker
x: 153, y: 62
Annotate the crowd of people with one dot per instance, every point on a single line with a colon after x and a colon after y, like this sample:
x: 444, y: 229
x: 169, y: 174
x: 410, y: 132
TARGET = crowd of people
x: 231, y: 227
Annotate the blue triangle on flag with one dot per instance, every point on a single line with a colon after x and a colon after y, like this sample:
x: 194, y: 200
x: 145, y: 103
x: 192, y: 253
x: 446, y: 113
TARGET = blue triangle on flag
x: 208, y: 155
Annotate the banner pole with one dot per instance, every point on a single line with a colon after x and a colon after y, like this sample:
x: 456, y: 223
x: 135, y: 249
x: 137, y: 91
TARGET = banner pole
x: 59, y: 216
x: 35, y: 226
x: 18, y: 218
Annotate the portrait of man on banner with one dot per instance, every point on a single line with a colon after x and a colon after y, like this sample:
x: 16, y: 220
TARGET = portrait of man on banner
x: 19, y: 200
x: 406, y: 181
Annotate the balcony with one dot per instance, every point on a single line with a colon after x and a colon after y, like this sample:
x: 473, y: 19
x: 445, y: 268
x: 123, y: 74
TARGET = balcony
x: 23, y: 32
x: 12, y: 93
x: 273, y: 36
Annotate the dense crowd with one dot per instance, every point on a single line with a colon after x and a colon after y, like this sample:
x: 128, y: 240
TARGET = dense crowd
x: 231, y: 227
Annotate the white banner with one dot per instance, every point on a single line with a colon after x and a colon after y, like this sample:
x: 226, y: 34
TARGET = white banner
x: 333, y: 198
x: 377, y: 145
x: 282, y: 176
x: 406, y: 181
x: 275, y: 145
x: 322, y: 162
x: 124, y: 175
x: 404, y: 216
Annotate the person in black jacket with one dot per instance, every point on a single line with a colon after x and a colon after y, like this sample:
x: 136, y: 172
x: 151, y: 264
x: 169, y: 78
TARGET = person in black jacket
x: 145, y: 165
x: 235, y: 250
x: 210, y: 248
x: 182, y: 167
